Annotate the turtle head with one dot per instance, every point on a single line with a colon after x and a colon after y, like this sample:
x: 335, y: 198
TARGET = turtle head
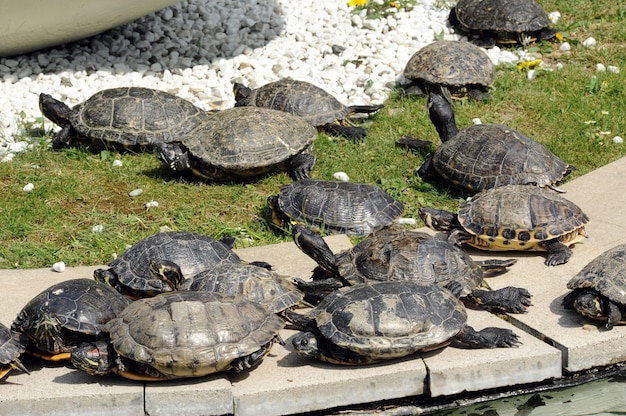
x: 442, y: 116
x: 54, y: 110
x: 278, y: 218
x: 306, y: 344
x: 96, y: 358
x: 175, y: 155
x: 313, y: 245
x: 167, y: 271
x: 242, y: 93
x: 439, y: 220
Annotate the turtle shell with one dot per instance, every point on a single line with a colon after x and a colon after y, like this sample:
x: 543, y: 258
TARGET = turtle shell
x: 191, y: 334
x: 12, y: 345
x: 520, y: 217
x: 484, y: 156
x: 243, y: 142
x: 134, y: 117
x: 275, y: 292
x: 193, y: 252
x: 68, y: 313
x: 506, y: 17
x: 396, y: 254
x: 386, y: 320
x: 606, y: 274
x: 451, y: 63
x: 338, y: 207
x: 300, y: 98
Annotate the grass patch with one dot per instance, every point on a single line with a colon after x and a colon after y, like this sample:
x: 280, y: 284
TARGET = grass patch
x: 566, y: 109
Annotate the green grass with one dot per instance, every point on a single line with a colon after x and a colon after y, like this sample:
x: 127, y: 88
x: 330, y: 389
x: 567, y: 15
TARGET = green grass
x: 75, y: 190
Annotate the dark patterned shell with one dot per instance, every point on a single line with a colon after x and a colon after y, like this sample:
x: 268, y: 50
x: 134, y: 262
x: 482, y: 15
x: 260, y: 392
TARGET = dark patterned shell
x: 484, y: 156
x: 386, y: 320
x: 191, y: 334
x: 299, y: 98
x: 338, y: 207
x: 451, y: 63
x: 257, y: 284
x: 606, y: 274
x: 192, y: 252
x: 396, y: 254
x: 135, y: 117
x: 249, y: 141
x: 12, y: 344
x: 78, y: 308
x: 519, y: 217
x: 513, y: 16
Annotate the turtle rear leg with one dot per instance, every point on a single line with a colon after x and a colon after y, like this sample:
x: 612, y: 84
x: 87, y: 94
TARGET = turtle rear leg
x: 254, y: 359
x: 558, y: 253
x: 490, y: 337
x: 366, y: 109
x: 354, y: 133
x: 300, y: 165
x: 509, y: 299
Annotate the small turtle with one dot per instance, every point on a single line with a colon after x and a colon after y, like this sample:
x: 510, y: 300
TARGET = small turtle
x: 599, y: 289
x: 306, y: 100
x: 392, y: 253
x: 182, y: 334
x: 249, y: 281
x: 66, y: 314
x: 12, y: 345
x: 132, y: 276
x: 450, y: 68
x: 130, y: 118
x: 502, y: 21
x: 352, y: 208
x: 483, y: 156
x: 368, y: 323
x: 242, y: 143
x: 514, y: 217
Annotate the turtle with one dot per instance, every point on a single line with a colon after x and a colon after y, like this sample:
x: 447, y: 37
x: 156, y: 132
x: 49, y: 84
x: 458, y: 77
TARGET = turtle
x: 352, y: 208
x: 394, y: 254
x: 65, y: 314
x: 450, y: 68
x: 242, y: 143
x: 514, y: 217
x: 484, y: 156
x: 369, y: 323
x: 182, y: 334
x: 125, y: 118
x: 306, y: 100
x: 193, y: 252
x: 12, y: 345
x: 249, y: 281
x: 598, y: 291
x: 502, y: 21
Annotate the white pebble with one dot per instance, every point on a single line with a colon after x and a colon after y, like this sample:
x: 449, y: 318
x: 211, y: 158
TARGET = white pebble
x: 565, y: 47
x: 58, y: 267
x: 618, y: 140
x: 135, y: 192
x: 554, y: 17
x: 152, y: 204
x: 341, y: 176
x: 613, y: 69
x: 600, y: 68
x: 477, y: 121
x: 558, y: 65
x: 97, y: 228
x: 28, y: 187
x: 589, y: 42
x: 117, y: 163
x: 532, y: 74
x: 407, y: 221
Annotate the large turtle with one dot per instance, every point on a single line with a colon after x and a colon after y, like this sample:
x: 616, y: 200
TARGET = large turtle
x: 130, y: 118
x: 66, y: 314
x: 502, y: 21
x: 132, y: 275
x: 514, y: 217
x: 599, y: 289
x: 368, y: 323
x: 450, y: 68
x: 483, y: 156
x: 392, y: 253
x: 12, y: 345
x: 306, y: 100
x: 334, y: 206
x: 182, y: 334
x: 241, y: 143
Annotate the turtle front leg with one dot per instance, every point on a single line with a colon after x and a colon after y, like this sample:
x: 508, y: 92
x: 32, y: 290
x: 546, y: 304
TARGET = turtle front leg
x: 254, y: 359
x: 558, y: 253
x: 353, y: 133
x: 509, y: 299
x: 300, y: 165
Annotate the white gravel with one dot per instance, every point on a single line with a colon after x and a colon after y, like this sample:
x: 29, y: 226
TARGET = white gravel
x: 198, y: 48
